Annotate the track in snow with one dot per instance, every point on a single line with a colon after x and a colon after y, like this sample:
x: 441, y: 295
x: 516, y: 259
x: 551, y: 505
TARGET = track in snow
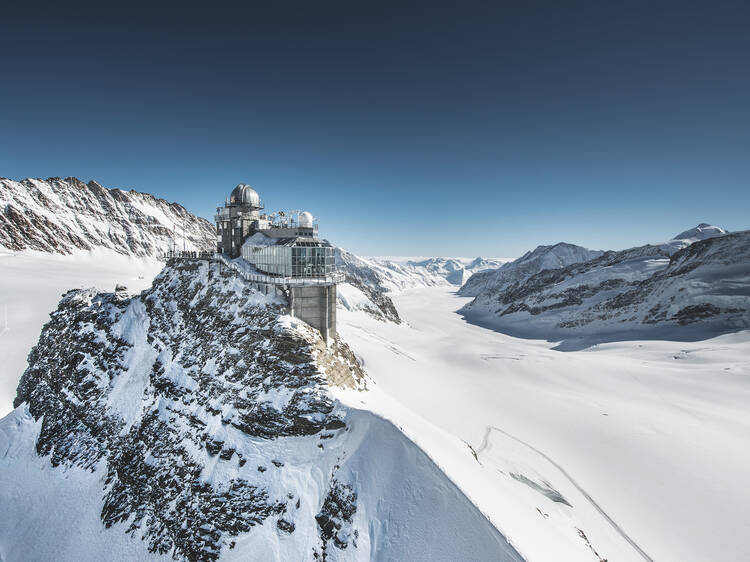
x: 615, y: 526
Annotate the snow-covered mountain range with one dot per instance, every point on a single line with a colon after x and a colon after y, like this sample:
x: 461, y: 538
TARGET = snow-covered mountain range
x: 496, y: 280
x: 64, y: 215
x: 692, y: 286
x: 370, y: 280
x: 195, y: 422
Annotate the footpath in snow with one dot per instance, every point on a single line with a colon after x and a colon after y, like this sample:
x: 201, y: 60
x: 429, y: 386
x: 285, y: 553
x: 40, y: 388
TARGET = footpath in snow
x: 625, y: 451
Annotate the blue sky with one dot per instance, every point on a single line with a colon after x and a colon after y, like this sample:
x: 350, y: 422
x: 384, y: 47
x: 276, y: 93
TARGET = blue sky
x: 409, y: 128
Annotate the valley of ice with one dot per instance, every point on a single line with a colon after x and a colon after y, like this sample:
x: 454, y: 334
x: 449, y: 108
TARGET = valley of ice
x: 629, y: 450
x: 647, y: 441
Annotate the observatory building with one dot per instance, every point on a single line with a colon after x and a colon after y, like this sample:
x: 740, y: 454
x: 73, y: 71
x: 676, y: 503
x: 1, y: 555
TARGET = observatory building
x: 285, y: 251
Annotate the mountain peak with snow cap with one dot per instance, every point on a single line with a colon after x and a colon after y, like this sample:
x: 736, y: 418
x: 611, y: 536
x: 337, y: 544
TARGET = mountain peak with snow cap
x: 701, y: 232
x: 532, y: 262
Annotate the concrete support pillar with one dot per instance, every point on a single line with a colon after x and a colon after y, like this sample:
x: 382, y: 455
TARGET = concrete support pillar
x: 316, y: 305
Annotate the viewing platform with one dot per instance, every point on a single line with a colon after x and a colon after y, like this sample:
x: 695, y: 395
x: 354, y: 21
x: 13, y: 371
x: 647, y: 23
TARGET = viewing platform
x: 255, y: 276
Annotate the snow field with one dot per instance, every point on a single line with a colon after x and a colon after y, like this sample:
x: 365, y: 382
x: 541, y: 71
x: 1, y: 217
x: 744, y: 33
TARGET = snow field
x: 31, y: 285
x: 649, y: 441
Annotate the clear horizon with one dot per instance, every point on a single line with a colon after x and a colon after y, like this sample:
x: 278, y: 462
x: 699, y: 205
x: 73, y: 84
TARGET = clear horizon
x: 436, y: 130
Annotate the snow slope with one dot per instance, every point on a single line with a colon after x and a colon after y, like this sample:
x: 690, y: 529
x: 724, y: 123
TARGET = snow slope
x: 63, y: 215
x: 687, y: 288
x: 60, y: 234
x: 195, y: 422
x: 31, y: 284
x: 626, y: 451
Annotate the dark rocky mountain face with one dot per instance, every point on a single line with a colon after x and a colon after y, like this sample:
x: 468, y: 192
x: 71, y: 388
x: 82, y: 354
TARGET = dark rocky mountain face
x: 362, y: 275
x: 176, y: 391
x: 64, y: 215
x: 197, y: 421
x: 699, y: 290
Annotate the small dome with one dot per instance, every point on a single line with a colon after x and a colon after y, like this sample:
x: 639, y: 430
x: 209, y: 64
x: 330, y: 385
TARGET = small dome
x: 243, y: 194
x: 305, y: 220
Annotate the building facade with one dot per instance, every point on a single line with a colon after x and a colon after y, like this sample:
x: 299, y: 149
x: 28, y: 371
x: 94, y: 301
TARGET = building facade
x: 236, y: 219
x: 284, y: 249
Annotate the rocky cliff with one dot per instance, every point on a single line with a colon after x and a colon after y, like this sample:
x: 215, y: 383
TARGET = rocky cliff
x: 195, y: 421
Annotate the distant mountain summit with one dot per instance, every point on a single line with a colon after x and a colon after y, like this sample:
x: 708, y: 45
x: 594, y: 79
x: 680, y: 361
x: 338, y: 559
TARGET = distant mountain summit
x: 493, y: 281
x: 700, y: 232
x: 63, y: 215
x: 370, y: 280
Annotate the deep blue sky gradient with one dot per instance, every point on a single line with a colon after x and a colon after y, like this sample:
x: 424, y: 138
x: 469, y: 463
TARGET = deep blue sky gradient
x: 434, y: 128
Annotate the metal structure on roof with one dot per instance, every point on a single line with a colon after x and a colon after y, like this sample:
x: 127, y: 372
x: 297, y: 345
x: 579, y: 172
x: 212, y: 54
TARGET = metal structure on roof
x: 245, y: 195
x: 281, y: 252
x: 289, y: 245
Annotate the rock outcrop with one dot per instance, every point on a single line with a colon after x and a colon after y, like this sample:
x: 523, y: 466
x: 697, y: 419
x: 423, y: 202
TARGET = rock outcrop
x: 198, y: 418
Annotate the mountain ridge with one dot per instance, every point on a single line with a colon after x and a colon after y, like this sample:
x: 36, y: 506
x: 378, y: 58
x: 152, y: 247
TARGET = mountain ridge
x: 680, y: 288
x: 542, y: 257
x: 65, y: 215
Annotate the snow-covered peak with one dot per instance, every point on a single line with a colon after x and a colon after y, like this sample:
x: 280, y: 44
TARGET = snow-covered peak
x: 700, y: 232
x: 370, y: 280
x: 688, y: 288
x: 479, y: 264
x: 453, y: 270
x: 559, y: 255
x: 64, y: 215
x: 532, y: 262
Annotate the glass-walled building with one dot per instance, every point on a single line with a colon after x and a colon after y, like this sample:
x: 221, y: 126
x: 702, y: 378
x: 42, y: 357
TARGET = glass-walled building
x: 293, y: 257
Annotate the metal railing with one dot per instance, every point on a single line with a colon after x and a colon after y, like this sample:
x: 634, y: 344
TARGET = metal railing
x: 256, y: 277
x: 188, y: 255
x: 329, y: 279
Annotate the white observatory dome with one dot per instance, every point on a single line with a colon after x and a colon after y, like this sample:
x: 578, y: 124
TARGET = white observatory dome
x: 243, y: 194
x: 305, y: 220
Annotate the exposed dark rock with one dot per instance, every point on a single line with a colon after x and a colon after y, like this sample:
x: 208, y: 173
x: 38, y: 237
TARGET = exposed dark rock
x: 676, y: 284
x: 335, y: 517
x: 382, y: 302
x: 286, y: 526
x: 696, y: 312
x: 195, y: 350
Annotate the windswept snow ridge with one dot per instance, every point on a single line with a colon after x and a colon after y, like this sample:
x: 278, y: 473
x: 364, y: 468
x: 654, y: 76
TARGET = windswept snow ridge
x: 195, y: 422
x: 64, y: 215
